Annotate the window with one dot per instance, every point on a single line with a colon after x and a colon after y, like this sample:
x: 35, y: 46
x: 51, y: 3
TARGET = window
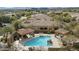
x: 45, y: 28
x: 41, y: 28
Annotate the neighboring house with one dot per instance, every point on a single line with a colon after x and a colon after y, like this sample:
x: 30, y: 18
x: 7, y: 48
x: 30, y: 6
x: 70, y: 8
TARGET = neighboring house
x: 40, y: 23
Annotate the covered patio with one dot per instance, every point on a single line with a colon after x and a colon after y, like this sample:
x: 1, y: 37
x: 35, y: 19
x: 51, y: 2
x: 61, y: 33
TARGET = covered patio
x: 61, y: 32
x: 25, y: 33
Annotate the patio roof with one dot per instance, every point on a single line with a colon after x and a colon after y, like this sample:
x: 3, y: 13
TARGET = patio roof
x: 61, y: 31
x: 25, y: 31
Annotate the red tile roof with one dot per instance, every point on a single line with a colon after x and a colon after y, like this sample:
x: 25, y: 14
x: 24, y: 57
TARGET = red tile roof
x: 62, y: 31
x: 25, y: 31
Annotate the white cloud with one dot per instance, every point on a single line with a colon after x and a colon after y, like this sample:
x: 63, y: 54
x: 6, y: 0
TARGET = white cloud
x: 39, y: 3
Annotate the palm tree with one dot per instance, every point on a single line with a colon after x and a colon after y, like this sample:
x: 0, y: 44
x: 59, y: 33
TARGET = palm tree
x: 7, y: 34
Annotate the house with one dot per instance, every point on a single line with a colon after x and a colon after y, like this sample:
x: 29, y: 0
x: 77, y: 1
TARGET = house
x: 40, y: 23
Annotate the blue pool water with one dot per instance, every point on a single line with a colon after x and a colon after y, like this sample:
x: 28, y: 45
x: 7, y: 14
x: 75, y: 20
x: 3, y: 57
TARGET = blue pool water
x: 38, y: 41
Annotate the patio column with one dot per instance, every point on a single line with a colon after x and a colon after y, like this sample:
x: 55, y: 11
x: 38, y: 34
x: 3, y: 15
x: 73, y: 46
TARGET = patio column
x: 22, y: 36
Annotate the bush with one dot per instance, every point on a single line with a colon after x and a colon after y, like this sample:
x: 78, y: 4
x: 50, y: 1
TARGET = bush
x: 7, y: 29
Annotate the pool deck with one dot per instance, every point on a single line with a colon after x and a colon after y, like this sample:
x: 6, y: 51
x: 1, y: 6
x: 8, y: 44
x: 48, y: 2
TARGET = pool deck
x: 56, y: 42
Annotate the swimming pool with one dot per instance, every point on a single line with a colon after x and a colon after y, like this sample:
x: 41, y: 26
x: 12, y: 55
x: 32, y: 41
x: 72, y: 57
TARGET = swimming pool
x: 38, y: 41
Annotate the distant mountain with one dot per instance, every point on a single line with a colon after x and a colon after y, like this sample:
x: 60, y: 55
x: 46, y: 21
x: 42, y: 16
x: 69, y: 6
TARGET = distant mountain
x: 12, y: 8
x: 36, y: 8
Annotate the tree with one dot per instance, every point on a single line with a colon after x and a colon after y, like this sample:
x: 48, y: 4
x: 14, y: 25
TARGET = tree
x: 66, y: 19
x: 5, y: 19
x: 7, y: 29
x: 76, y: 30
x: 17, y: 25
x: 18, y: 15
x: 13, y: 18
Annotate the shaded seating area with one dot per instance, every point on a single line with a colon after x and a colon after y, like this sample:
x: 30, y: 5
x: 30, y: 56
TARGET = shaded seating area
x: 61, y: 32
x: 25, y: 33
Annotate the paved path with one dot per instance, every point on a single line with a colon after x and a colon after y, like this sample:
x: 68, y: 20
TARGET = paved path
x: 57, y: 43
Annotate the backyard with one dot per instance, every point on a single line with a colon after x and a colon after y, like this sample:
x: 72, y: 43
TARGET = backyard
x: 39, y: 30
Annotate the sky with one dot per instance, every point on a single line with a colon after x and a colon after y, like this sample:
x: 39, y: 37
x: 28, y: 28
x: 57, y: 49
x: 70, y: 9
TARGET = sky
x: 39, y: 3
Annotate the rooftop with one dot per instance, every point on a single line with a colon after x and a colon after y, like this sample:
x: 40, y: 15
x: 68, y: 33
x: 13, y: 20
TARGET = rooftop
x: 25, y: 31
x: 62, y: 31
x: 39, y: 20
